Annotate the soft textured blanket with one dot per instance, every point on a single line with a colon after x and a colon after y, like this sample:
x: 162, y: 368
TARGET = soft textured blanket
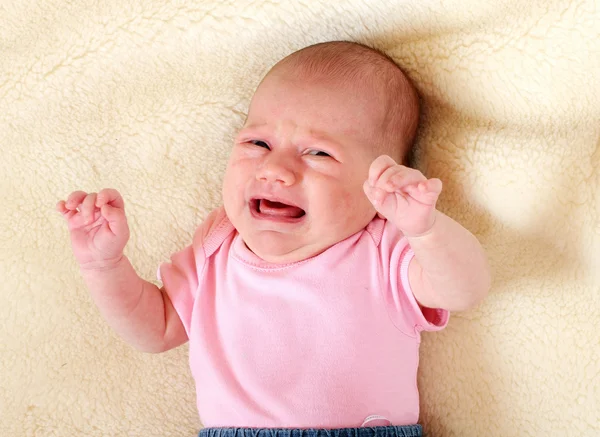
x: 146, y: 96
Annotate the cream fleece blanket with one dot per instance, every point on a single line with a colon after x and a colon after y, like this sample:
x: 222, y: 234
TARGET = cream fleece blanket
x: 146, y: 97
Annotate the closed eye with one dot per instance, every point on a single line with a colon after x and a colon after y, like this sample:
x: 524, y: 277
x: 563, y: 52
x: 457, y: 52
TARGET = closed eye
x: 260, y: 143
x: 318, y: 153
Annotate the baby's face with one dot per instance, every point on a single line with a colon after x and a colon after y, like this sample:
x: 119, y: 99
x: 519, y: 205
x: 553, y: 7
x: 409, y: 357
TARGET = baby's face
x: 293, y: 185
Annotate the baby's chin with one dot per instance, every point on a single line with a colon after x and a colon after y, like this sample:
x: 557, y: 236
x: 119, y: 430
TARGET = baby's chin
x: 285, y: 245
x: 281, y: 249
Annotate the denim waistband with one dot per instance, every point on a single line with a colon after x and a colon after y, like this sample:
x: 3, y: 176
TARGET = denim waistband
x: 377, y: 431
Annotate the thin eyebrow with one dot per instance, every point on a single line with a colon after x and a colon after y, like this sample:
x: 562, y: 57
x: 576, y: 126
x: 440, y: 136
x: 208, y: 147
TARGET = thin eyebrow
x: 329, y: 144
x: 315, y: 136
x: 320, y: 137
x: 253, y: 126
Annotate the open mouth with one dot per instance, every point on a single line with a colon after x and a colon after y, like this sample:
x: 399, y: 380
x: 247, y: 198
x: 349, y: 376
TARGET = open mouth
x: 276, y: 210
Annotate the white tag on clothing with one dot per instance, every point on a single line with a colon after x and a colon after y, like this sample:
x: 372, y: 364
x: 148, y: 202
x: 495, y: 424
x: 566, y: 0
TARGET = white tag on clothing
x: 376, y: 420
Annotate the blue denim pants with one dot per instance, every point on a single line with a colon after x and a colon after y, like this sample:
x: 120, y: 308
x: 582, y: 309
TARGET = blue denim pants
x: 377, y: 431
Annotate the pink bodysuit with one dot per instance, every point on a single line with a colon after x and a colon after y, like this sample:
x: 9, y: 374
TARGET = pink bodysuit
x: 322, y: 343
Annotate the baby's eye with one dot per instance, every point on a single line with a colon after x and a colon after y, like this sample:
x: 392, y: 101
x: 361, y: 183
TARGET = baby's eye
x: 260, y: 143
x: 318, y: 153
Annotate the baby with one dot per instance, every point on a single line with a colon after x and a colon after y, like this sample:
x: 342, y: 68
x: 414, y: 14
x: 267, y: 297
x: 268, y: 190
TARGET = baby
x: 303, y: 298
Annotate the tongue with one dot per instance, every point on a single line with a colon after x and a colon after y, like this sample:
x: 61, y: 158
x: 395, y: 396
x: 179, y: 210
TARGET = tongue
x: 279, y: 209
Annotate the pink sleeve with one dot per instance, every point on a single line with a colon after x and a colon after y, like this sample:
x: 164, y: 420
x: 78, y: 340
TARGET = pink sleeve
x: 180, y: 281
x: 405, y: 311
x: 181, y: 276
x: 426, y: 319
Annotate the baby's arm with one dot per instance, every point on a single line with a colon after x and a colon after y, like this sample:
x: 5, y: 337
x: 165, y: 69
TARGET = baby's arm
x: 140, y: 312
x: 450, y: 269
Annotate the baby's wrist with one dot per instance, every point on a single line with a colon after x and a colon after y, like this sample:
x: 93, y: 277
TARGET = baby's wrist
x: 422, y: 233
x: 101, y: 266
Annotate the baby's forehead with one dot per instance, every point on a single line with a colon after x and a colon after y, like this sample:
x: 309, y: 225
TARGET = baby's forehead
x: 319, y: 111
x: 353, y: 80
x: 330, y: 90
x: 388, y: 96
x: 343, y: 115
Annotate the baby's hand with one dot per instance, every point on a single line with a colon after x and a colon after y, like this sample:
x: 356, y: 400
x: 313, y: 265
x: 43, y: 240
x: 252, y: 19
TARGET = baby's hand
x: 97, y: 225
x: 403, y: 195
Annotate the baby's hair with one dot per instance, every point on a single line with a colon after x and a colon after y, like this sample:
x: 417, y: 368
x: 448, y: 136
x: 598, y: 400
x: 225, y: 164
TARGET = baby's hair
x: 366, y: 66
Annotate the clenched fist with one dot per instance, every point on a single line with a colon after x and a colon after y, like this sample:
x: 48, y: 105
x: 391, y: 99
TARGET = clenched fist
x: 97, y: 225
x: 403, y: 195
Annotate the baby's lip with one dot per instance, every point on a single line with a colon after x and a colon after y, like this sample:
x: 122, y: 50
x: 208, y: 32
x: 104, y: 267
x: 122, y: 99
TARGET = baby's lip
x: 277, y: 199
x: 256, y: 201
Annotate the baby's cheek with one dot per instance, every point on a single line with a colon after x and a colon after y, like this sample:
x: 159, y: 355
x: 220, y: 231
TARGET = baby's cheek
x: 232, y: 187
x: 236, y: 173
x: 355, y: 203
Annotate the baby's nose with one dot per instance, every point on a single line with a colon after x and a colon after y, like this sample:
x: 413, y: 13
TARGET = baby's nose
x: 276, y: 170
